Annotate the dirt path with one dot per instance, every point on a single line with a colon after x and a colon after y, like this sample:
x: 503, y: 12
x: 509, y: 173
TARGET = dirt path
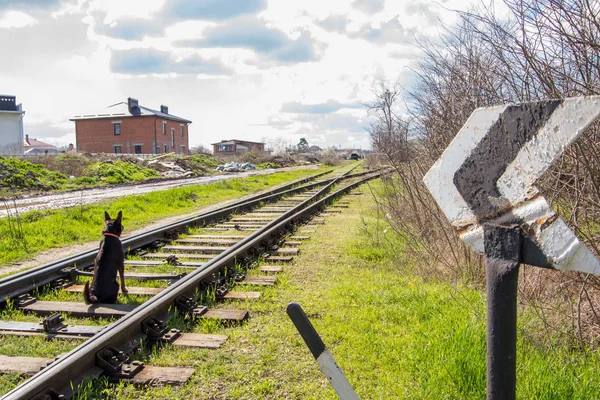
x: 95, y: 195
x: 62, y: 252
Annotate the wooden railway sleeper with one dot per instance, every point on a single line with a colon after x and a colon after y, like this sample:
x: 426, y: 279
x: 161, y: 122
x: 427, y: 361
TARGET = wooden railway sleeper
x: 116, y: 365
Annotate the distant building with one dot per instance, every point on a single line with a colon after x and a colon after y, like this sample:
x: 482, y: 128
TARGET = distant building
x: 36, y: 147
x: 11, y: 126
x: 314, y: 149
x: 233, y: 147
x: 130, y: 128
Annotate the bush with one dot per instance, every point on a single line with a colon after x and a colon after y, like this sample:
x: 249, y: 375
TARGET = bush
x: 69, y: 164
x: 19, y: 174
x: 202, y: 161
x: 114, y: 172
x: 330, y: 157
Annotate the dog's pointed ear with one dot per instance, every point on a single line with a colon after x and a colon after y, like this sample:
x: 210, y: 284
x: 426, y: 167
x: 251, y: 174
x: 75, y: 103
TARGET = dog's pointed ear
x: 119, y: 216
x: 106, y: 216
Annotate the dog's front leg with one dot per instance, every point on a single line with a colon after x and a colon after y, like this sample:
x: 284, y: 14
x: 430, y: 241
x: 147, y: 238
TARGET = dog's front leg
x: 122, y: 274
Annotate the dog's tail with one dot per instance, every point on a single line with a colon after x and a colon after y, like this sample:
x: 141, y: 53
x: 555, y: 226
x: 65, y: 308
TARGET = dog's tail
x: 87, y: 298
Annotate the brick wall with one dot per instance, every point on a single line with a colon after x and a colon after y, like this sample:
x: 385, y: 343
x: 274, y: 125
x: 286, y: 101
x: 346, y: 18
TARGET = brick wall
x: 163, y: 140
x: 98, y: 135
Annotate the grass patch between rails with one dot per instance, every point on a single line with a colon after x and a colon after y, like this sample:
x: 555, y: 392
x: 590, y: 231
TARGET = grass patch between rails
x: 394, y: 335
x: 43, y: 230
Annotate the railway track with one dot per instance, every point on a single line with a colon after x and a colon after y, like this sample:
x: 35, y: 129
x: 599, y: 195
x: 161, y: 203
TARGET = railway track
x: 205, y: 264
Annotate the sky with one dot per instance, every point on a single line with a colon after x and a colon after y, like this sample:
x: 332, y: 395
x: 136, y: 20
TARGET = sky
x: 260, y: 70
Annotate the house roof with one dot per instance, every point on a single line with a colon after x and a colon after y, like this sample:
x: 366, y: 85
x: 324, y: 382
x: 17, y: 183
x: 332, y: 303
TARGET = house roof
x: 28, y: 142
x: 232, y: 141
x: 40, y: 150
x: 121, y: 110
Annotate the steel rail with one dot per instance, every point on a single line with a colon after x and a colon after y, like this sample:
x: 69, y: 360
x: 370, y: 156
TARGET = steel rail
x: 59, y: 375
x: 26, y: 281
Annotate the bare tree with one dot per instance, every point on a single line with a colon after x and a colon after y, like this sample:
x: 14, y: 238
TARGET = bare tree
x: 545, y: 49
x: 278, y: 145
x: 200, y: 149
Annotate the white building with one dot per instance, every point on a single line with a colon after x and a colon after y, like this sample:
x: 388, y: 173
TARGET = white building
x: 11, y: 126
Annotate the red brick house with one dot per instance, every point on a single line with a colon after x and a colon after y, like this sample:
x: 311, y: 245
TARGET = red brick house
x: 233, y: 147
x: 129, y: 128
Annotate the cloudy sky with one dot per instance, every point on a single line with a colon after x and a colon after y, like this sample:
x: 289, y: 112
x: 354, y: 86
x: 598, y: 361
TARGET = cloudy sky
x: 247, y: 69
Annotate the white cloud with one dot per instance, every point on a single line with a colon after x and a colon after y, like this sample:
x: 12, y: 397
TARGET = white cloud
x: 116, y: 9
x: 245, y: 68
x: 16, y: 19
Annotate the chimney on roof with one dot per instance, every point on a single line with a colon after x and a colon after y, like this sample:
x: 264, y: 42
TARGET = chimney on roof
x: 27, y: 139
x: 164, y: 109
x: 132, y: 104
x: 8, y: 103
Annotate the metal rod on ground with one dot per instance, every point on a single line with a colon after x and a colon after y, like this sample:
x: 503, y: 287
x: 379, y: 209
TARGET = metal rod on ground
x: 322, y: 355
x: 502, y: 258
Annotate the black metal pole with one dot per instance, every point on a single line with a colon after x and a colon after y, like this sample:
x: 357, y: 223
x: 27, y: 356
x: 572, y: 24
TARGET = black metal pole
x: 502, y: 258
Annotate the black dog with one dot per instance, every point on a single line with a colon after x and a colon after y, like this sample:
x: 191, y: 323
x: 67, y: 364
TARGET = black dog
x: 110, y: 259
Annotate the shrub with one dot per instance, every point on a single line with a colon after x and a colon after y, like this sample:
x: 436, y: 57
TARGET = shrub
x: 18, y: 174
x: 114, y: 172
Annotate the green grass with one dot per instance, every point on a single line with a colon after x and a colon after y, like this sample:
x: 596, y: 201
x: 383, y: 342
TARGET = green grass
x: 43, y: 230
x: 394, y: 335
x: 114, y: 172
x: 21, y: 174
x: 71, y: 172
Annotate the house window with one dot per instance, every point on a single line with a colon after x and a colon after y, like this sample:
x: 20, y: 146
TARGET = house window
x: 181, y: 130
x: 117, y: 149
x: 173, y: 137
x: 182, y: 147
x: 138, y: 149
x: 164, y: 124
x: 166, y: 148
x: 117, y: 129
x: 225, y: 148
